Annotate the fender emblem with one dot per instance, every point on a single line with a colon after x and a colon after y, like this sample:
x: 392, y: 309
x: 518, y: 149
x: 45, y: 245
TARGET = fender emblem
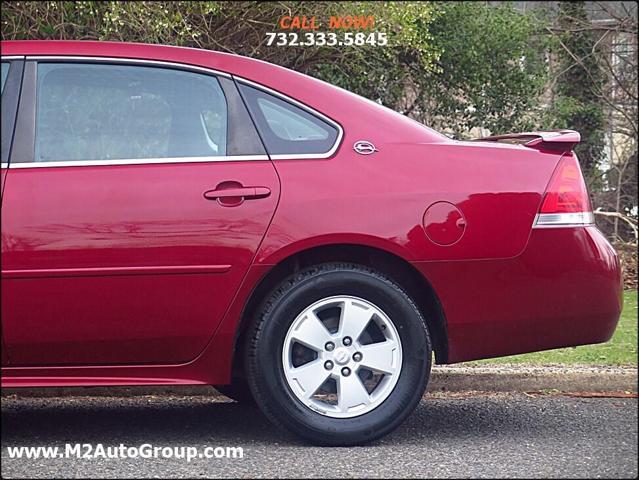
x: 364, y: 148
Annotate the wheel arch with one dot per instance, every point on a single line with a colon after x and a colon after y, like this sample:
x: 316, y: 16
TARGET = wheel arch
x: 391, y: 264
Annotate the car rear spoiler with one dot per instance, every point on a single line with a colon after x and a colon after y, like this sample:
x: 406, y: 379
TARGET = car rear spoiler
x: 561, y: 140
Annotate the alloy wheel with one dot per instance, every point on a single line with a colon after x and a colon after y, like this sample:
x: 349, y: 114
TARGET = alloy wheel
x: 342, y: 356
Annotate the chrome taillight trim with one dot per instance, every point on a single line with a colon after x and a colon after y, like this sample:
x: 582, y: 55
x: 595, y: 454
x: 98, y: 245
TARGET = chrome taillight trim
x: 575, y: 219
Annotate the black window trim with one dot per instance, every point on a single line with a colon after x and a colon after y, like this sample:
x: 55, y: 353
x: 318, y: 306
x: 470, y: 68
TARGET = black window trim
x: 12, y: 86
x: 23, y: 150
x: 310, y: 110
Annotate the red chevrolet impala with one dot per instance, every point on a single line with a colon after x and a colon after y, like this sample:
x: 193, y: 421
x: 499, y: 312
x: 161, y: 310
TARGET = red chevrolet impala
x: 174, y: 216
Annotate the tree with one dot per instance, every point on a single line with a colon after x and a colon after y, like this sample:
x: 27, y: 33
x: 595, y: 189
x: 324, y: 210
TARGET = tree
x: 576, y: 104
x: 491, y: 70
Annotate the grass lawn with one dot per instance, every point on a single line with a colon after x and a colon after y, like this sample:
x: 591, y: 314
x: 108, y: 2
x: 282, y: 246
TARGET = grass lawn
x: 620, y: 350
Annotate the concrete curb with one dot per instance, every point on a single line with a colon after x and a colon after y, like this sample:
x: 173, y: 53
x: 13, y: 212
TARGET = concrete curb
x: 525, y: 378
x: 484, y: 378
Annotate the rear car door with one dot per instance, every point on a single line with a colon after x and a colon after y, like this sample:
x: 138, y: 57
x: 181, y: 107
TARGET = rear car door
x: 136, y: 197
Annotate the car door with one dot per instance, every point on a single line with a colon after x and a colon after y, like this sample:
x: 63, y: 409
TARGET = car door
x: 135, y: 199
x: 11, y: 77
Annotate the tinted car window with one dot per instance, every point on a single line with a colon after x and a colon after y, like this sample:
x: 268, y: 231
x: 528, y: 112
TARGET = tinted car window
x: 5, y: 72
x: 103, y: 112
x: 286, y: 128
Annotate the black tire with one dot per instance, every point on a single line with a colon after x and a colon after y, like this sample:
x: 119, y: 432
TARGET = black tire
x: 265, y: 372
x: 238, y: 390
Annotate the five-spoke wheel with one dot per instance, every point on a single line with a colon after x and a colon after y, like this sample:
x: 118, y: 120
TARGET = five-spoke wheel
x: 342, y: 356
x: 339, y: 354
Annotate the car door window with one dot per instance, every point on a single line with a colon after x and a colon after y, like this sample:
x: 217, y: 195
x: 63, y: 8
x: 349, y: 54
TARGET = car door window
x: 287, y: 128
x: 5, y: 74
x: 110, y: 112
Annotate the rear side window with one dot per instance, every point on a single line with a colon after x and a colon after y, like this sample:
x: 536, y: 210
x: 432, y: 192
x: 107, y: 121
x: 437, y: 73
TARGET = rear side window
x: 105, y: 112
x: 286, y: 128
x: 5, y: 74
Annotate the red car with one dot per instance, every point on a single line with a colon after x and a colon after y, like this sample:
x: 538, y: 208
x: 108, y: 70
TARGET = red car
x: 179, y: 216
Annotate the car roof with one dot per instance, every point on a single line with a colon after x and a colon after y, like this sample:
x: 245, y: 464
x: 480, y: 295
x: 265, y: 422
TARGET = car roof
x: 143, y: 51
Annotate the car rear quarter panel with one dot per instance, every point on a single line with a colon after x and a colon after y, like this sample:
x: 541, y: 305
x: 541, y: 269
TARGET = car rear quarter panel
x: 380, y: 199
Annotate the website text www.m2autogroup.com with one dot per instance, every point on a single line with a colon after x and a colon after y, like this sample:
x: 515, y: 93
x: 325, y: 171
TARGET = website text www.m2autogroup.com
x: 98, y: 451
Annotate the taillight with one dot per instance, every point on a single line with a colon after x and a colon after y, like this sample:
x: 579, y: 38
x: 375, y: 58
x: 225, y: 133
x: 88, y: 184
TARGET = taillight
x: 566, y: 200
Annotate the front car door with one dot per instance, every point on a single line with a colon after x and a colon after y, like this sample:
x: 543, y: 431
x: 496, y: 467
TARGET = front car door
x: 11, y: 78
x: 135, y: 200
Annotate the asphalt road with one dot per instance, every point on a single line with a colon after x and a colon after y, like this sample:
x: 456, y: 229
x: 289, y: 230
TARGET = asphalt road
x: 499, y: 435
